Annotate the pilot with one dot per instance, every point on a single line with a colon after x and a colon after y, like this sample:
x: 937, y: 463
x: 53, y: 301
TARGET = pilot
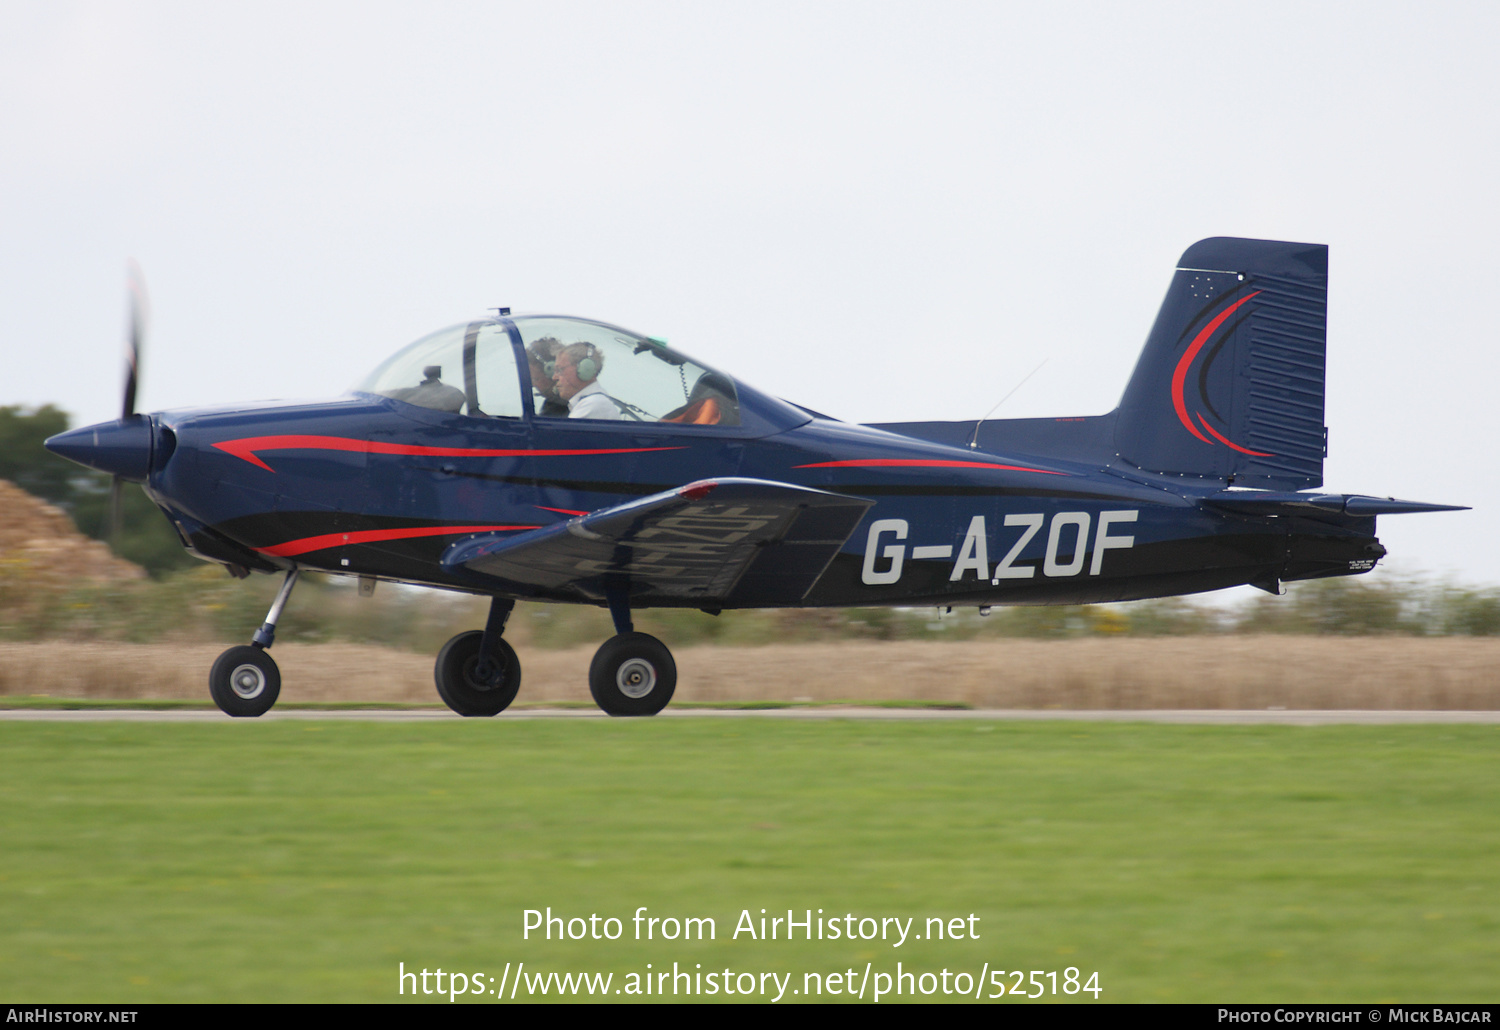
x: 541, y: 355
x: 576, y: 372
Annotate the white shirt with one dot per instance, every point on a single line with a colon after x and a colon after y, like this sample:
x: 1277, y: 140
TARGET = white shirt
x: 593, y: 402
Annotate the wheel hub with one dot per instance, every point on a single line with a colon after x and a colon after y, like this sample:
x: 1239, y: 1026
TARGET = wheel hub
x: 247, y: 681
x: 482, y: 674
x: 636, y: 678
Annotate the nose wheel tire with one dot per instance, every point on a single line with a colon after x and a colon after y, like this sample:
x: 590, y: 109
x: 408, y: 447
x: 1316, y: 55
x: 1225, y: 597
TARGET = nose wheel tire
x: 463, y: 689
x: 632, y: 674
x: 245, y: 682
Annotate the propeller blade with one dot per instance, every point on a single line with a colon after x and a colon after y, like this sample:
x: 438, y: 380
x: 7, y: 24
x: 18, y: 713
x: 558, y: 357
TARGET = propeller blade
x: 137, y: 336
x: 135, y: 342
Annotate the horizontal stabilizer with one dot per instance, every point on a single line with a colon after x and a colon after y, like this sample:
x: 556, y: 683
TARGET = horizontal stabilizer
x: 1356, y: 506
x: 716, y: 543
x: 1362, y: 506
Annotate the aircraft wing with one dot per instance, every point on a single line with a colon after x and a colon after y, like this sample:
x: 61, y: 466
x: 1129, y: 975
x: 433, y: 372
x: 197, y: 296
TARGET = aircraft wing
x: 716, y: 543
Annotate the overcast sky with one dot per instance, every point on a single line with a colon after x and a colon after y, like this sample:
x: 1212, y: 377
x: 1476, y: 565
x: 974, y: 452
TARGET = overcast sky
x: 885, y: 211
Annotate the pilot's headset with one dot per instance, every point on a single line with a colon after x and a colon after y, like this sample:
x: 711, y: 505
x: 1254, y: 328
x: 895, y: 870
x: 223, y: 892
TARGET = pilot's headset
x: 544, y: 353
x: 591, y: 364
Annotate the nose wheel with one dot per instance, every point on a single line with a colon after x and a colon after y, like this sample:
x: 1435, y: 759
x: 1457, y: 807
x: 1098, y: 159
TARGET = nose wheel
x: 245, y: 682
x: 632, y: 674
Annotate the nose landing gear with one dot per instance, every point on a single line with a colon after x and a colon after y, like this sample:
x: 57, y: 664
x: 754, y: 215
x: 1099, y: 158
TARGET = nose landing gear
x: 245, y: 681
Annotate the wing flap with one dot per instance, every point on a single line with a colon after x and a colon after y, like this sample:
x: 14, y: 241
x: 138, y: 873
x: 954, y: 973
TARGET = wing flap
x: 716, y: 543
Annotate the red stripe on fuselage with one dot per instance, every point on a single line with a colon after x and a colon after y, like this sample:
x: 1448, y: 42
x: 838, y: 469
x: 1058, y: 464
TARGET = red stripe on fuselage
x: 1179, y: 375
x: 247, y: 447
x: 371, y: 536
x: 940, y: 463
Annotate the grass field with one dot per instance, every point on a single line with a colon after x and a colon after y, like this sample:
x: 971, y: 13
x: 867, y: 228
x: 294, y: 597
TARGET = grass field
x: 303, y: 861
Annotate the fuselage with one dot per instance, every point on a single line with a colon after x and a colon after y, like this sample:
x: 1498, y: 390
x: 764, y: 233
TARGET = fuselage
x: 508, y: 425
x: 375, y: 487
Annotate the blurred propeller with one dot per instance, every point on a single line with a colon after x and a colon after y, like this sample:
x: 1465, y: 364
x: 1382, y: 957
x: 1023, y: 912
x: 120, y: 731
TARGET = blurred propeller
x: 134, y: 342
x: 138, y: 311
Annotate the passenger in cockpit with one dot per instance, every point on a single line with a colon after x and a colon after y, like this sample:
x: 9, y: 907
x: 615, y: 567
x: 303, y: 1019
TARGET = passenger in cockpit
x: 542, y: 356
x: 576, y: 372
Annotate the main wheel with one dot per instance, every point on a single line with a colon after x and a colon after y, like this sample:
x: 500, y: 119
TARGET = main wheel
x: 245, y: 682
x: 632, y: 674
x: 461, y: 687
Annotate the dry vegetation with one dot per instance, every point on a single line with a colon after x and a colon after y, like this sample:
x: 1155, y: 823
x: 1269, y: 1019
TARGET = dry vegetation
x: 40, y: 541
x: 1168, y: 672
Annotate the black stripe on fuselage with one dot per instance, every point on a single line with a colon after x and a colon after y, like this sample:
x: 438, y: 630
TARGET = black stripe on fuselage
x: 847, y: 490
x: 597, y: 486
x: 271, y: 528
x: 886, y: 490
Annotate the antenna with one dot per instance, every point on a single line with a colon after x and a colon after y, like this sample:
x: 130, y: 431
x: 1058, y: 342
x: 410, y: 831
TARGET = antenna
x: 974, y: 440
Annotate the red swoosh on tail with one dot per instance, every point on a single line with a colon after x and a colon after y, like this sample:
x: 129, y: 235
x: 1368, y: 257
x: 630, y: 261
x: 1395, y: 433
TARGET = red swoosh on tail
x: 1179, y: 375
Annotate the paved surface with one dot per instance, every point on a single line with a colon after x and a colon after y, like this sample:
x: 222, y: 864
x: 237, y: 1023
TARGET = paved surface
x: 1220, y: 717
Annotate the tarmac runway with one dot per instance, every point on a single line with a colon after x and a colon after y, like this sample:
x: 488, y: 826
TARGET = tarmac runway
x: 1211, y: 717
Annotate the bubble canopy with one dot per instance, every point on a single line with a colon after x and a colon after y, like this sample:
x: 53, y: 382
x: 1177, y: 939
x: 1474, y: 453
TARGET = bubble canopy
x: 550, y: 366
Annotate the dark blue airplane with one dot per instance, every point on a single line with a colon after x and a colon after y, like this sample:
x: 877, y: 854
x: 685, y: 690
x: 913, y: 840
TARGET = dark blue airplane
x: 567, y: 460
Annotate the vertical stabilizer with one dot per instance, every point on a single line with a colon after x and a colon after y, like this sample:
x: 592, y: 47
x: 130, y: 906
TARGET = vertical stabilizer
x: 1230, y: 384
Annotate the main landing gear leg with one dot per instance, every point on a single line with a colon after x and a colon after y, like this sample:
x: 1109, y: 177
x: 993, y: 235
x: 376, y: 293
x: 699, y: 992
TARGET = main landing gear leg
x: 478, y: 673
x: 632, y: 673
x: 244, y: 681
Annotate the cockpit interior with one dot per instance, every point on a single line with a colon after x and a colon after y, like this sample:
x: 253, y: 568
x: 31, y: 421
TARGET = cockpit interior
x: 549, y: 366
